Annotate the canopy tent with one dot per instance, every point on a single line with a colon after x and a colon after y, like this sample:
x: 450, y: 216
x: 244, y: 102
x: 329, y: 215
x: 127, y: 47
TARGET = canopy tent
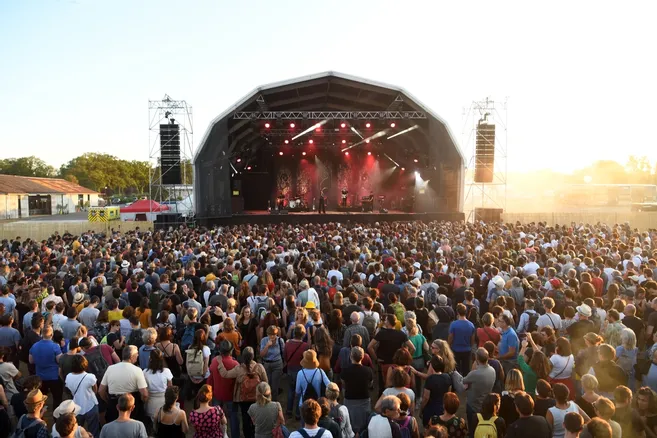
x: 142, y: 210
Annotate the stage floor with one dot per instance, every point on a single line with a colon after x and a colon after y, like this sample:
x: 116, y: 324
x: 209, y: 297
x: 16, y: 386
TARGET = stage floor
x: 265, y: 217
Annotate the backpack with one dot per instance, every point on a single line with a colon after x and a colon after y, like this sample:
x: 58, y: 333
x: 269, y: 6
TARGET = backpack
x: 375, y: 281
x: 248, y: 388
x: 369, y: 322
x: 194, y: 362
x: 261, y: 307
x: 486, y: 428
x: 310, y: 392
x: 399, y: 309
x: 319, y: 433
x: 533, y: 319
x: 135, y: 338
x: 431, y: 295
x: 96, y: 363
x: 473, y: 317
x: 142, y: 289
x: 336, y: 415
x: 405, y: 427
x: 188, y: 336
x: 21, y: 433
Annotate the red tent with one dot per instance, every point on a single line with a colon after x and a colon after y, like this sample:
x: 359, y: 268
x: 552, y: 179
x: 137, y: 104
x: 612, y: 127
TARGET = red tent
x: 144, y: 206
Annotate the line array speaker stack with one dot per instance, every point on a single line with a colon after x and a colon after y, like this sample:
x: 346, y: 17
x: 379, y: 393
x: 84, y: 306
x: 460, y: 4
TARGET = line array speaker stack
x: 170, y: 154
x: 484, y: 152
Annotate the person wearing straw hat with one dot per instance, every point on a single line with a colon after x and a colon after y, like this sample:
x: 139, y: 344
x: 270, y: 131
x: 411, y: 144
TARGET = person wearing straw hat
x: 310, y: 376
x: 32, y: 423
x: 68, y: 407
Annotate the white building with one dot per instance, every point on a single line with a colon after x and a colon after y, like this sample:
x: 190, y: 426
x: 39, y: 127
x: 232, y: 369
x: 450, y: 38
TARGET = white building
x: 22, y: 196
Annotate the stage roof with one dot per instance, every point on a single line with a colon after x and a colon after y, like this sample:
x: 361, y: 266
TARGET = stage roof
x: 330, y: 91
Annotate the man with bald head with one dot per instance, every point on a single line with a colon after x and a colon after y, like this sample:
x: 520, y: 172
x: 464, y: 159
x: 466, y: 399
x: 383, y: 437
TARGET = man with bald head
x: 355, y: 329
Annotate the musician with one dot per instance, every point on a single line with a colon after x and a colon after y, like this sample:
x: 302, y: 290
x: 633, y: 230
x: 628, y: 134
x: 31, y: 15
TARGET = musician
x: 281, y: 202
x: 322, y: 203
x: 345, y: 192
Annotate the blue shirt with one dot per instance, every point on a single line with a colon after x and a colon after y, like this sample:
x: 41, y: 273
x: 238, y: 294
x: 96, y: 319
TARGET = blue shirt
x: 145, y: 356
x: 509, y: 340
x: 10, y: 304
x: 274, y: 352
x: 314, y: 377
x: 9, y: 337
x: 44, y: 354
x: 461, y: 331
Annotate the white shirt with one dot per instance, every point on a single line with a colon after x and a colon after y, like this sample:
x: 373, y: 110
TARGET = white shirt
x: 562, y: 367
x: 48, y: 299
x: 82, y: 387
x: 311, y: 433
x: 530, y: 268
x: 333, y: 273
x: 361, y: 317
x: 123, y: 377
x: 157, y: 382
x: 550, y: 320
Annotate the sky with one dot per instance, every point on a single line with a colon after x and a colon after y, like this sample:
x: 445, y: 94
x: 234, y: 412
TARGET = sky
x: 579, y: 76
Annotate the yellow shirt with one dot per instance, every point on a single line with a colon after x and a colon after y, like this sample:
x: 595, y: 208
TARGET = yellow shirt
x: 115, y: 315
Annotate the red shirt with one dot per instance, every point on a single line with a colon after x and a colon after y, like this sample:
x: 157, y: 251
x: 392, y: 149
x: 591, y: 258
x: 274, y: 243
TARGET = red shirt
x: 222, y: 388
x: 597, y: 284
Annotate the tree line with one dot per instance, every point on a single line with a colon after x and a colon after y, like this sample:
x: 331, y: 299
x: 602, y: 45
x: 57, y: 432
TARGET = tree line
x: 101, y: 172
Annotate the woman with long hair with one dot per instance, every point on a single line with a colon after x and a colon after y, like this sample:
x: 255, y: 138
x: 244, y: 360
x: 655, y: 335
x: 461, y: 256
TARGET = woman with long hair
x: 646, y: 406
x: 245, y: 292
x: 208, y: 421
x: 400, y: 383
x: 158, y: 378
x: 247, y: 325
x: 300, y: 317
x: 563, y: 364
x: 514, y: 384
x: 143, y: 312
x: 230, y: 334
x: 170, y: 421
x: 323, y: 345
x: 289, y: 311
x: 170, y: 352
x: 555, y: 415
x: 533, y: 364
x: 244, y: 375
x: 199, y: 351
x: 544, y: 398
x: 101, y: 326
x: 441, y: 348
x: 265, y: 414
x: 402, y: 360
x: 83, y: 386
x: 421, y: 348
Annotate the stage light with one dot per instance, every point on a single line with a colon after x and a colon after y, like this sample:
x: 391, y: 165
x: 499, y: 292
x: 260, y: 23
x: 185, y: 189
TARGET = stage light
x: 403, y: 168
x: 303, y: 153
x: 367, y: 141
x: 392, y: 125
x: 369, y: 153
x: 280, y: 153
x: 267, y: 125
x: 287, y: 141
x: 415, y: 160
x: 347, y: 153
x: 417, y: 173
x: 344, y: 141
x: 367, y: 125
x: 239, y: 160
x: 248, y: 168
x: 343, y: 125
x: 292, y: 125
x: 311, y: 141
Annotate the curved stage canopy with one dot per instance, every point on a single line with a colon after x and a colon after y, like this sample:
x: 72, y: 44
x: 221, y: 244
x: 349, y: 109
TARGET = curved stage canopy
x: 347, y: 132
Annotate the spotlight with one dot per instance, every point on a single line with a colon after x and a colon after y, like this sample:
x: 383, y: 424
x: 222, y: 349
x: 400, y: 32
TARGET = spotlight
x: 280, y: 153
x: 343, y: 125
x: 248, y: 168
x: 369, y: 153
x: 267, y: 125
x: 415, y: 160
x: 347, y: 153
x: 303, y: 153
x: 311, y: 141
x: 239, y: 160
x: 287, y: 141
x: 344, y: 141
x: 367, y: 125
x: 392, y: 125
x: 367, y: 141
x: 403, y: 168
x: 292, y: 125
x: 417, y: 173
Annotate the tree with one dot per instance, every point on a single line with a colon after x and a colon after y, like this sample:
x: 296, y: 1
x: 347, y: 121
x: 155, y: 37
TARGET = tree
x: 639, y: 170
x: 72, y: 178
x: 27, y: 166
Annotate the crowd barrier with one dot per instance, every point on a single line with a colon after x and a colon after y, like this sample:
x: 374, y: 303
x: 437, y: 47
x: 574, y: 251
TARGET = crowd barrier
x: 44, y: 229
x: 640, y: 220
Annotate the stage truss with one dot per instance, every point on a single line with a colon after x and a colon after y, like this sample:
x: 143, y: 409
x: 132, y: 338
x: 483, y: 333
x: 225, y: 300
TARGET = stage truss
x: 327, y: 115
x: 160, y: 112
x: 493, y: 194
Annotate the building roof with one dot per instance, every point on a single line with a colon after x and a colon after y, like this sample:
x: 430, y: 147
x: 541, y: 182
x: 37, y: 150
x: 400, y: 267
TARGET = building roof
x: 328, y: 91
x: 11, y: 184
x: 144, y: 206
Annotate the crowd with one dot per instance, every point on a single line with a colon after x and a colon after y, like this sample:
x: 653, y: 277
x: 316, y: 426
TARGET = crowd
x: 380, y: 330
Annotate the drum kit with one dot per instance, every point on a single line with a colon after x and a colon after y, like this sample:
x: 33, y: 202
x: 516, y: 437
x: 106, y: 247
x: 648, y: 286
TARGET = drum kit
x: 294, y: 204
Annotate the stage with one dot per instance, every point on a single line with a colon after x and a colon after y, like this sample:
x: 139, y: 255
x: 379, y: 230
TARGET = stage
x: 262, y: 217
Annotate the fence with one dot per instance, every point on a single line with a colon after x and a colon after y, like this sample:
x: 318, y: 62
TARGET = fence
x: 640, y: 220
x: 44, y: 229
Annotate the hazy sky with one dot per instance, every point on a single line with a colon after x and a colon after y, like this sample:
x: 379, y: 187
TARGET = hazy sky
x: 580, y: 76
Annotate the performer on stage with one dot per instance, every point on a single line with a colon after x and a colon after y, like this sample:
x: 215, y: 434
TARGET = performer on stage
x: 345, y: 192
x: 322, y: 203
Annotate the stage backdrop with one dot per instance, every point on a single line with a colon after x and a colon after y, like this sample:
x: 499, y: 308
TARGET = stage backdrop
x: 327, y: 173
